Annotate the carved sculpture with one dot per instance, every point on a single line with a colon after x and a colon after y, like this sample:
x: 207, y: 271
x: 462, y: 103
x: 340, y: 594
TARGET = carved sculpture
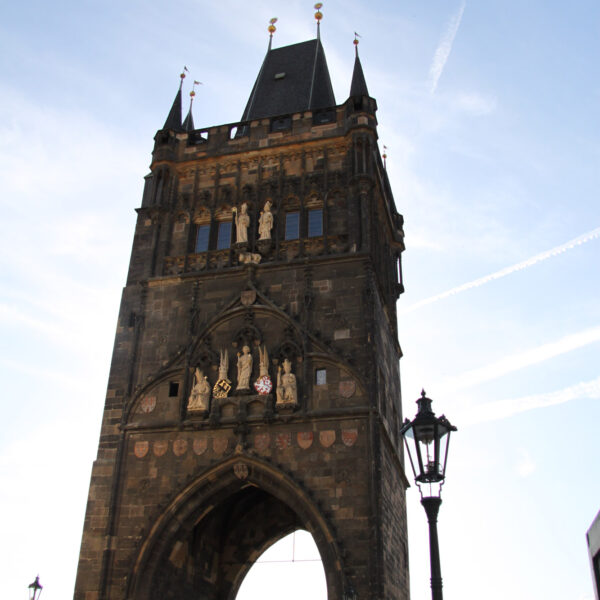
x: 242, y: 222
x: 263, y: 385
x: 265, y: 222
x: 223, y: 384
x: 287, y: 392
x: 244, y: 369
x: 200, y: 395
x: 247, y: 258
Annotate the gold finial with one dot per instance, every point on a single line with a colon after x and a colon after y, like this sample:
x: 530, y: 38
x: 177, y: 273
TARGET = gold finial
x: 182, y: 76
x: 384, y: 157
x: 318, y: 14
x: 355, y: 42
x: 193, y: 92
x: 271, y: 28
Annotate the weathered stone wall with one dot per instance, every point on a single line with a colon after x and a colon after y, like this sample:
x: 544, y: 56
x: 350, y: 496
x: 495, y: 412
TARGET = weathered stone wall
x: 182, y: 502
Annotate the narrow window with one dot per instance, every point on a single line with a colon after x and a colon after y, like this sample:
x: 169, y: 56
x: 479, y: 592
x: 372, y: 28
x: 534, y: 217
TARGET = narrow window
x: 173, y: 389
x: 315, y: 222
x: 321, y: 376
x: 202, y: 238
x: 292, y: 226
x: 224, y: 236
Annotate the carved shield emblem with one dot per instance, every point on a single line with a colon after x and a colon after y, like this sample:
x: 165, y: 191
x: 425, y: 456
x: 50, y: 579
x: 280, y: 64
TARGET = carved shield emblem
x: 221, y: 388
x: 147, y: 404
x: 349, y: 437
x: 160, y: 447
x: 305, y: 439
x: 263, y: 385
x: 179, y: 447
x: 347, y: 388
x: 261, y: 441
x: 327, y: 437
x: 200, y: 445
x: 220, y: 445
x: 283, y: 441
x: 240, y: 470
x: 140, y: 449
x: 248, y: 297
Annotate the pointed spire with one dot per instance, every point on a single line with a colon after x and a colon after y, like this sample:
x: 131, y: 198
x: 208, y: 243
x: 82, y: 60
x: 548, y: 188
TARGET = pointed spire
x: 174, y: 119
x: 188, y: 123
x: 272, y: 29
x: 358, y: 87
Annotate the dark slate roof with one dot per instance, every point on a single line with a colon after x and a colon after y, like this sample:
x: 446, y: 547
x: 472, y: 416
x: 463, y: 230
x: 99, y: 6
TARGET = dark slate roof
x: 305, y: 84
x: 358, y: 87
x: 174, y: 119
x: 188, y: 123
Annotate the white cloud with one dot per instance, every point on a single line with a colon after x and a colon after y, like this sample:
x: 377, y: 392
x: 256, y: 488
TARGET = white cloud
x: 445, y: 47
x: 582, y: 239
x: 520, y: 360
x: 502, y: 409
x: 476, y: 104
x: 526, y: 465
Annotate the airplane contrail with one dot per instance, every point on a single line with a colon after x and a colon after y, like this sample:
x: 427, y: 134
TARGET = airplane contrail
x: 444, y: 48
x: 582, y: 239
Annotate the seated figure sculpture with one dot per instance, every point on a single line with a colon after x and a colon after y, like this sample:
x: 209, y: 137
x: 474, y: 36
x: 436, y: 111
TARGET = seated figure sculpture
x: 287, y: 392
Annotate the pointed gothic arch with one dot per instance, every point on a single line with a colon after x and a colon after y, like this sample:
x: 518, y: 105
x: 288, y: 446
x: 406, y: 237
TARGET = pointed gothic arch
x: 211, y: 533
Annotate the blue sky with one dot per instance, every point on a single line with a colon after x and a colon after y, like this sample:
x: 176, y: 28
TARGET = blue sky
x: 490, y: 113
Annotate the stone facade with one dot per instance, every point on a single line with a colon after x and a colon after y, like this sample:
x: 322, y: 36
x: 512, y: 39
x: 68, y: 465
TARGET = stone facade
x: 182, y: 502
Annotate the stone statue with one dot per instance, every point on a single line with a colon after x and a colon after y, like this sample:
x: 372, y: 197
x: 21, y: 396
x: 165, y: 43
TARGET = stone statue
x: 242, y: 222
x: 265, y: 222
x: 244, y: 369
x: 200, y: 395
x: 287, y: 392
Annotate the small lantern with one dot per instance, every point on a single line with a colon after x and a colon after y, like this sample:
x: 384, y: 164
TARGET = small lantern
x: 35, y: 589
x: 431, y: 437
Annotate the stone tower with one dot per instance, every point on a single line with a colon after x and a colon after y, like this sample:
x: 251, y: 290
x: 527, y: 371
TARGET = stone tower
x: 254, y: 387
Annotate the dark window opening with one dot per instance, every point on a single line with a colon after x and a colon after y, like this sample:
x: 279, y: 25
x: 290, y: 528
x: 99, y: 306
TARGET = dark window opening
x: 173, y: 389
x: 282, y: 124
x: 315, y: 222
x: 321, y: 376
x: 202, y: 236
x: 224, y: 235
x: 292, y: 226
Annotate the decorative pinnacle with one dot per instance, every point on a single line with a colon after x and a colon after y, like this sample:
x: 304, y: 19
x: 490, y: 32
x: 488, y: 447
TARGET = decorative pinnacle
x: 271, y: 28
x: 182, y: 76
x: 193, y: 93
x: 355, y: 42
x: 423, y: 394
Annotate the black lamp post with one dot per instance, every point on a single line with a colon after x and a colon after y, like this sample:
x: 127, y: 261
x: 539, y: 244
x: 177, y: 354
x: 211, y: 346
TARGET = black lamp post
x: 35, y: 589
x: 431, y: 437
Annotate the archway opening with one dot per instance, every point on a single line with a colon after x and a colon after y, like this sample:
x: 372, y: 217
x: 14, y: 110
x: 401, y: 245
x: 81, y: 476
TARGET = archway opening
x: 208, y: 539
x: 292, y: 565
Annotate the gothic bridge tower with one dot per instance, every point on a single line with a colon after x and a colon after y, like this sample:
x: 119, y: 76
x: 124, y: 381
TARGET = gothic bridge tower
x: 254, y: 387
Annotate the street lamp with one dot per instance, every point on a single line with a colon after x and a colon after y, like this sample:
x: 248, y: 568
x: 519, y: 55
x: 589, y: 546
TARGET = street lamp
x: 35, y: 589
x: 431, y: 437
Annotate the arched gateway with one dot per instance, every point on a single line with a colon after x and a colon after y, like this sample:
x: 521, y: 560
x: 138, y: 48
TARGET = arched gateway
x: 254, y: 386
x: 224, y: 521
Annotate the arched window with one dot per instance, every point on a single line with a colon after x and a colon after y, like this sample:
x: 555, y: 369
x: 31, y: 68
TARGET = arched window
x: 290, y: 569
